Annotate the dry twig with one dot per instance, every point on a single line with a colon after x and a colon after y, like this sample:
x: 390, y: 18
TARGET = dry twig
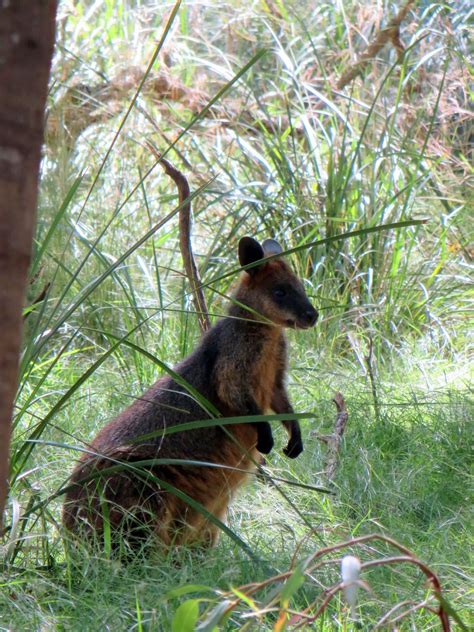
x: 84, y: 105
x: 318, y: 606
x: 373, y: 384
x: 333, y: 441
x: 190, y: 266
x: 391, y: 33
x: 41, y: 296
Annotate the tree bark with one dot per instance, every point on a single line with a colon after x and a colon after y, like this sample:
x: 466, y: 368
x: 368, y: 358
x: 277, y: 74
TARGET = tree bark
x: 27, y: 29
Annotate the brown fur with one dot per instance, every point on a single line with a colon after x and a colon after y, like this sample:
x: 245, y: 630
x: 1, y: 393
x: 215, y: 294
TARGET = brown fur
x: 239, y: 367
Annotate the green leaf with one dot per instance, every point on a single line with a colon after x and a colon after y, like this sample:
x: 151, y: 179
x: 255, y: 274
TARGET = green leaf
x: 292, y: 584
x: 216, y: 616
x: 320, y: 242
x: 184, y: 590
x: 55, y: 223
x: 186, y: 616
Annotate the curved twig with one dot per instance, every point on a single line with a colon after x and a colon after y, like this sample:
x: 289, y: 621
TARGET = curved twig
x: 190, y: 266
x: 391, y: 33
x: 41, y: 296
x: 333, y: 441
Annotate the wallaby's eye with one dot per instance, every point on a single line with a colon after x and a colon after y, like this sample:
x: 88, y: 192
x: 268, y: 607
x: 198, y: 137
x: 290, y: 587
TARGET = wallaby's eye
x: 279, y: 292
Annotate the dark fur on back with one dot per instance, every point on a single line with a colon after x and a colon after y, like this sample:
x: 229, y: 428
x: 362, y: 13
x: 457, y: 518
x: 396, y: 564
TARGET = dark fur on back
x: 239, y: 366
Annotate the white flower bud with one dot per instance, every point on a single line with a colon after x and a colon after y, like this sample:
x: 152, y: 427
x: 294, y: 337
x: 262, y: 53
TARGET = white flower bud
x: 350, y: 572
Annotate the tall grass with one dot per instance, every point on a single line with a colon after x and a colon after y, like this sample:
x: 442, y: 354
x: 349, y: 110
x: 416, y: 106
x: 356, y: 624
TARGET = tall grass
x: 271, y: 149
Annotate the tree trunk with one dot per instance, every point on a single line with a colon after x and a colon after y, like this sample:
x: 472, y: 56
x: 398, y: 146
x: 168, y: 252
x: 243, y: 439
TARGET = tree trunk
x: 27, y: 29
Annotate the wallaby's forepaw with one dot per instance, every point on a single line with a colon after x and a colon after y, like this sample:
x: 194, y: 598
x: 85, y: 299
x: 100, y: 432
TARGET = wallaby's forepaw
x: 265, y: 443
x: 294, y: 448
x: 264, y: 437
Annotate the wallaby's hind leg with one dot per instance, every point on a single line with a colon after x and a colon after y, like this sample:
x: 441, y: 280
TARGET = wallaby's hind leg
x: 132, y: 506
x: 127, y: 505
x: 126, y: 502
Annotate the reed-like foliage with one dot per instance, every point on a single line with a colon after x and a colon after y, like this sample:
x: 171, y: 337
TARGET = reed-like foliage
x: 367, y: 188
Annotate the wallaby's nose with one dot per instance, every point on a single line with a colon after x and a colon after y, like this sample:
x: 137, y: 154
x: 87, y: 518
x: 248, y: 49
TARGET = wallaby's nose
x: 311, y: 316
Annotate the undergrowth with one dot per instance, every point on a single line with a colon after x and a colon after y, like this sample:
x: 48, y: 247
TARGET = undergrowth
x: 243, y: 98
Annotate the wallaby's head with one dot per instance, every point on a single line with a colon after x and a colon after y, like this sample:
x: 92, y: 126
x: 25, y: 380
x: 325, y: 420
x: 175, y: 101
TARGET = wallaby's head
x: 270, y: 288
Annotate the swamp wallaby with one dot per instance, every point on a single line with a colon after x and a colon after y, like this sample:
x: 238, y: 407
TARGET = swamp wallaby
x: 239, y: 366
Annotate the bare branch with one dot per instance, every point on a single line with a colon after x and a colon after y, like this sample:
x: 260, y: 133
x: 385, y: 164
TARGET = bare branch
x: 333, y: 441
x: 185, y: 245
x: 391, y: 33
x: 301, y: 619
x: 41, y: 296
x: 373, y: 384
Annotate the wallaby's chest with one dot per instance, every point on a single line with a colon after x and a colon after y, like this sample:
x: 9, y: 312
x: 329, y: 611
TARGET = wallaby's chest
x: 265, y: 369
x: 248, y: 363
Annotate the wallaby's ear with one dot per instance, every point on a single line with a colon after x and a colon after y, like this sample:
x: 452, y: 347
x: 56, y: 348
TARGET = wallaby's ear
x: 250, y: 251
x: 271, y: 247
